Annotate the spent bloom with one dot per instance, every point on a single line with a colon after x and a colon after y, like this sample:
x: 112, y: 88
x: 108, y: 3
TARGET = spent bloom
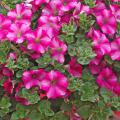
x: 38, y: 40
x: 107, y: 22
x: 58, y: 49
x: 97, y: 64
x: 17, y: 32
x: 55, y: 84
x: 74, y: 68
x: 115, y: 49
x: 107, y: 78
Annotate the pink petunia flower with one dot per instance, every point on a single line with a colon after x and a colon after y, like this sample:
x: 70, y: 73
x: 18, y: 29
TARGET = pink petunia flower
x: 101, y: 44
x: 107, y: 78
x: 115, y: 49
x: 107, y: 22
x: 68, y: 5
x: 74, y: 68
x: 20, y: 14
x: 32, y: 78
x: 37, y: 2
x: 38, y: 40
x: 116, y: 11
x: 17, y: 32
x: 4, y: 26
x: 51, y: 24
x: 58, y: 49
x: 99, y: 6
x: 53, y: 8
x: 55, y: 84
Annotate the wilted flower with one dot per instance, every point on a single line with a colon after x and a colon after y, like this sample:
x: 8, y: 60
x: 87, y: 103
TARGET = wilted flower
x: 74, y: 68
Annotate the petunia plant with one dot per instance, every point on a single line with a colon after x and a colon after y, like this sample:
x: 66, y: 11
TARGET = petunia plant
x: 60, y: 60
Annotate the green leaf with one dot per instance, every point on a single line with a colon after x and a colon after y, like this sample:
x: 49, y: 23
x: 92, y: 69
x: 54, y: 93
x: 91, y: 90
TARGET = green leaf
x: 90, y: 3
x: 75, y: 83
x: 46, y: 58
x: 45, y: 108
x: 4, y: 49
x: 88, y: 92
x: 20, y: 113
x: 66, y: 106
x: 32, y: 97
x: 35, y: 115
x: 84, y: 111
x: 5, y: 103
x: 4, y: 106
x: 82, y: 50
x: 59, y: 116
x: 87, y: 76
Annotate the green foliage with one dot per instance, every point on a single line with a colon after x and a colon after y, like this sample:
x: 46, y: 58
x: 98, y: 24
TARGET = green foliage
x: 82, y: 50
x: 47, y: 60
x: 68, y: 32
x: 31, y: 96
x: 88, y: 92
x: 11, y: 3
x: 90, y: 3
x: 85, y: 22
x: 75, y: 83
x: 4, y: 50
x: 20, y: 113
x: 4, y: 106
x: 35, y: 115
x: 45, y: 108
x: 22, y: 63
x: 59, y: 116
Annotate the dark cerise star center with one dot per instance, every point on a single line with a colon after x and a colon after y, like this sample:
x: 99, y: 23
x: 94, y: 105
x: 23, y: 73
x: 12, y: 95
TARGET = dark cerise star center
x: 34, y: 76
x: 53, y: 82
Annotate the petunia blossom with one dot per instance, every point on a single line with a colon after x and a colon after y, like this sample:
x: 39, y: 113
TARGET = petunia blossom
x: 20, y: 14
x: 115, y: 49
x: 58, y: 50
x: 32, y: 78
x: 107, y: 22
x: 107, y: 78
x: 55, y: 84
x: 5, y: 23
x: 38, y: 40
x: 17, y: 32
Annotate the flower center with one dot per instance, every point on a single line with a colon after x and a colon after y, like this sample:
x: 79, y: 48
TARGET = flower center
x: 19, y: 34
x: 59, y: 49
x: 19, y: 17
x: 37, y: 40
x: 34, y: 76
x: 53, y: 82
